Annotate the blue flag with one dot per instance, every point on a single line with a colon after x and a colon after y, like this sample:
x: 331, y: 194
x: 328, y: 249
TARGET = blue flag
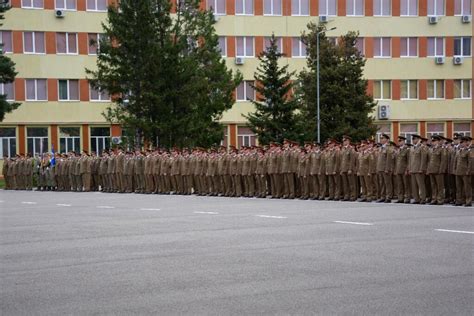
x: 53, y: 159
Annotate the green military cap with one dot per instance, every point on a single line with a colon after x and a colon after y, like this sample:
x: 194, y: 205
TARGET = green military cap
x: 385, y: 136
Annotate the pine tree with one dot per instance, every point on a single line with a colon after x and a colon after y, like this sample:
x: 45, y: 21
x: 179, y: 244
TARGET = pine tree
x: 345, y: 106
x: 7, y: 75
x: 170, y: 81
x: 276, y: 116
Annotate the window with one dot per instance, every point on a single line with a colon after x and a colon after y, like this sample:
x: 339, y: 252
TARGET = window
x: 244, y: 7
x: 6, y: 41
x: 93, y: 40
x: 224, y: 140
x: 355, y: 7
x: 8, y: 89
x: 382, y: 129
x: 32, y: 4
x: 408, y: 89
x: 435, y: 46
x: 327, y: 7
x: 359, y: 44
x: 37, y: 140
x: 300, y: 7
x: 69, y: 139
x: 244, y: 46
x: 100, y: 139
x: 462, y: 128
x: 298, y: 48
x: 7, y: 142
x: 223, y: 46
x: 382, y: 89
x: 408, y: 7
x: 36, y: 90
x: 382, y: 47
x: 66, y: 4
x: 462, y: 89
x: 406, y: 130
x: 216, y: 6
x: 435, y: 7
x: 462, y: 7
x: 382, y: 7
x: 96, y: 5
x: 33, y: 42
x: 408, y: 47
x: 435, y: 89
x: 98, y: 95
x: 245, y: 91
x: 245, y: 137
x: 278, y: 42
x: 68, y: 90
x: 66, y: 43
x: 434, y: 129
x: 462, y: 46
x: 272, y: 7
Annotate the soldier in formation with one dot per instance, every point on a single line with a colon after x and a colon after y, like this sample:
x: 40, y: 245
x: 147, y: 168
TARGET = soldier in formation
x: 431, y: 171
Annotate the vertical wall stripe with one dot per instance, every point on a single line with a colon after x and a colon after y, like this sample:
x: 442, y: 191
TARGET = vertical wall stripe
x: 84, y: 90
x: 422, y: 89
x: 369, y: 47
x: 341, y: 7
x: 230, y: 46
x: 422, y: 46
x: 20, y: 89
x: 395, y: 129
x: 85, y: 137
x: 395, y: 47
x: 422, y: 128
x: 258, y: 7
x: 314, y: 7
x: 17, y: 38
x: 52, y: 90
x: 423, y: 7
x: 233, y: 134
x: 54, y: 137
x: 449, y: 41
x: 369, y: 7
x: 230, y: 7
x: 395, y: 89
x: 83, y: 44
x: 21, y: 139
x: 116, y: 130
x: 449, y: 129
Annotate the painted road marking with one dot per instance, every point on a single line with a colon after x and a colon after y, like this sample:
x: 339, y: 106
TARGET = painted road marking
x: 63, y: 204
x: 454, y: 231
x: 2, y: 201
x: 105, y: 206
x: 270, y: 216
x: 212, y: 213
x: 30, y: 203
x: 150, y: 209
x: 354, y: 223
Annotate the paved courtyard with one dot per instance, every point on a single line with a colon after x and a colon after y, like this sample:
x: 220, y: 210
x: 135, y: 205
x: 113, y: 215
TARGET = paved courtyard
x: 98, y: 253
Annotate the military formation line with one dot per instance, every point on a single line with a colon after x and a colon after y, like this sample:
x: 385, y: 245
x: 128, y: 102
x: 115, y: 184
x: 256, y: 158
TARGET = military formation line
x: 435, y: 171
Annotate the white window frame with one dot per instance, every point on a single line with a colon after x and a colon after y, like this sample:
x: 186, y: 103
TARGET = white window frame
x: 96, y: 7
x: 435, y: 3
x: 246, y: 93
x: 101, y: 139
x: 462, y: 89
x: 429, y: 134
x: 68, y: 91
x: 2, y: 91
x: 408, y: 8
x: 245, y: 46
x: 3, y: 45
x: 9, y: 140
x: 461, y: 38
x: 32, y: 7
x: 381, y: 47
x: 408, y: 47
x: 435, y: 81
x: 244, y: 6
x: 382, y: 7
x: 100, y: 96
x: 213, y: 4
x: 64, y: 2
x: 327, y: 7
x: 272, y: 9
x: 381, y: 89
x: 67, y: 149
x: 41, y: 140
x: 300, y: 46
x: 99, y: 38
x: 299, y: 9
x: 33, y: 36
x: 67, y: 44
x: 279, y: 43
x: 464, y: 11
x: 410, y: 82
x: 436, y: 38
x: 463, y: 133
x: 36, y: 91
x: 353, y: 14
x: 246, y: 139
x: 224, y: 53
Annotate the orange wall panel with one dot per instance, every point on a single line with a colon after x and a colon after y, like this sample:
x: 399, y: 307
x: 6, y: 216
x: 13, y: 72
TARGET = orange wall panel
x: 422, y: 47
x: 370, y: 87
x: 83, y: 43
x: 54, y: 137
x: 395, y: 7
x: 287, y: 46
x: 15, y: 3
x: 81, y: 5
x: 449, y: 85
x: 395, y: 89
x: 50, y: 42
x: 85, y: 137
x: 258, y: 7
x: 422, y: 86
x: 449, y: 129
x: 52, y: 90
x: 313, y: 7
x: 230, y: 7
x: 449, y: 8
x: 422, y: 128
x: 21, y: 139
x: 472, y: 125
x: 258, y: 45
x: 17, y: 38
x: 116, y: 130
x: 49, y: 4
x: 20, y: 89
x: 395, y: 47
x: 233, y: 134
x: 341, y: 7
x: 173, y: 6
x: 286, y: 7
x: 396, y: 130
x: 369, y: 47
x: 422, y: 7
x: 449, y: 46
x: 230, y: 46
x: 83, y: 90
x: 369, y: 7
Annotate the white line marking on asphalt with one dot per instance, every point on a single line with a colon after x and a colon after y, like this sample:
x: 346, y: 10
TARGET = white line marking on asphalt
x: 454, y: 231
x: 354, y: 223
x: 2, y: 201
x: 270, y: 216
x: 212, y: 213
x: 63, y: 204
x: 30, y: 203
x: 105, y: 206
x: 150, y: 209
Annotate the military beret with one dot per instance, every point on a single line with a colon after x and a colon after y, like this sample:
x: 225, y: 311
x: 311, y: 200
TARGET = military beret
x: 435, y: 137
x: 386, y: 136
x: 416, y: 136
x: 457, y: 135
x: 424, y: 139
x: 448, y: 140
x: 466, y: 139
x: 400, y: 137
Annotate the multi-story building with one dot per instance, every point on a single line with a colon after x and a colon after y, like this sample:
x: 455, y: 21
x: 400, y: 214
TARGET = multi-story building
x: 419, y: 64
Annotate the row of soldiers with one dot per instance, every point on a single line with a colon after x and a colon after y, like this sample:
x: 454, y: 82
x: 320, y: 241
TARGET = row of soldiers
x: 435, y: 171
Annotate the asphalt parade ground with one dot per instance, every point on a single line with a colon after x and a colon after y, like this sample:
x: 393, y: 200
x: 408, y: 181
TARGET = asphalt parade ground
x: 98, y: 253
